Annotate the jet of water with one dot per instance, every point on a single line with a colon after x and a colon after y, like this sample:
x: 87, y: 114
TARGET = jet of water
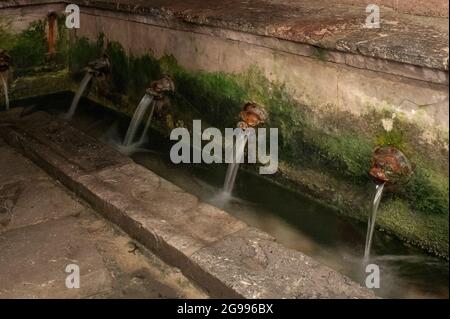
x: 371, y: 222
x: 5, y: 89
x: 137, y: 119
x: 233, y: 168
x: 84, y: 83
x: 147, y: 125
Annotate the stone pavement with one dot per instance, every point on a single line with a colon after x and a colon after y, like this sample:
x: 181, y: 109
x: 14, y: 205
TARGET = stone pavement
x: 44, y: 228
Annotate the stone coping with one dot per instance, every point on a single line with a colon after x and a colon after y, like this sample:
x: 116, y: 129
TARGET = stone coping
x: 414, y: 40
x: 222, y: 254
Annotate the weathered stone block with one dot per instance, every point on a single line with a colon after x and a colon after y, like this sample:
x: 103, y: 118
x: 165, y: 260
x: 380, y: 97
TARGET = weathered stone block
x: 254, y: 265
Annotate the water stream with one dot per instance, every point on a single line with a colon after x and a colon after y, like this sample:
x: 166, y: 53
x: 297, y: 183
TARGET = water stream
x: 238, y: 156
x: 84, y: 83
x: 5, y: 89
x: 136, y: 121
x: 371, y: 221
x: 147, y: 125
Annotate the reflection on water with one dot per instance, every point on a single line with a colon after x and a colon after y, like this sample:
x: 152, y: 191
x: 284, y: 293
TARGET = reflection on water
x: 296, y: 221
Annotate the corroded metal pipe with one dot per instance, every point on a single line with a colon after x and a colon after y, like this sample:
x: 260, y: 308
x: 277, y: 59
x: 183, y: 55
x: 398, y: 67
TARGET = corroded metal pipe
x: 5, y: 61
x: 160, y: 88
x: 252, y: 115
x: 390, y: 166
x: 51, y: 36
x: 100, y: 66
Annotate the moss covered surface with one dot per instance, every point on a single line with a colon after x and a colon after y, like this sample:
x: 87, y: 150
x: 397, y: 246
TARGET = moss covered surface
x: 323, y: 151
x: 40, y: 84
x: 29, y: 47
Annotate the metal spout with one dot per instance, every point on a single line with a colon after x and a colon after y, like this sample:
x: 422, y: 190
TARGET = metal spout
x: 5, y: 61
x: 390, y: 166
x: 162, y: 87
x: 99, y: 67
x: 51, y: 35
x: 252, y: 115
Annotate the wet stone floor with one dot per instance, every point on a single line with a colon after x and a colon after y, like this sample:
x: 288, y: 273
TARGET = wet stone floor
x: 44, y: 228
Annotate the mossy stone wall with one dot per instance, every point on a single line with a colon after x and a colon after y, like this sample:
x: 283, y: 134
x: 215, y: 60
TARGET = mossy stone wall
x: 332, y: 142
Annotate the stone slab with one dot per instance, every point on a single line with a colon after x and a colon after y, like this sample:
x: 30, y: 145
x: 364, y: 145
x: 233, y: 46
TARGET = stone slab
x: 75, y: 146
x: 24, y: 193
x: 167, y: 220
x: 251, y: 263
x: 34, y: 259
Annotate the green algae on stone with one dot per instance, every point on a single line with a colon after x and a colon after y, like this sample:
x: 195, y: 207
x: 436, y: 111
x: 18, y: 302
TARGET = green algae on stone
x: 320, y: 54
x: 83, y: 51
x: 40, y: 84
x: 62, y: 42
x: 339, y: 147
x: 429, y: 232
x: 29, y: 47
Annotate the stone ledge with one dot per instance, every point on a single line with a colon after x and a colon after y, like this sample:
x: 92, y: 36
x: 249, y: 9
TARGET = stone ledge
x: 254, y: 265
x: 222, y: 254
x: 402, y: 38
x: 18, y: 3
x: 354, y: 60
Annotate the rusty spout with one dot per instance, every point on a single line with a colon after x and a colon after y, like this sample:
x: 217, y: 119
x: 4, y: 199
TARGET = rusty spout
x: 252, y: 115
x: 51, y: 36
x: 159, y: 88
x: 5, y: 61
x: 390, y: 165
x: 99, y: 67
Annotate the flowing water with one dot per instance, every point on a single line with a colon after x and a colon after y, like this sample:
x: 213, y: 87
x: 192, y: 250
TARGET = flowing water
x: 147, y: 125
x: 84, y: 83
x: 5, y: 89
x: 371, y: 221
x: 296, y: 221
x: 238, y: 156
x: 136, y: 121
